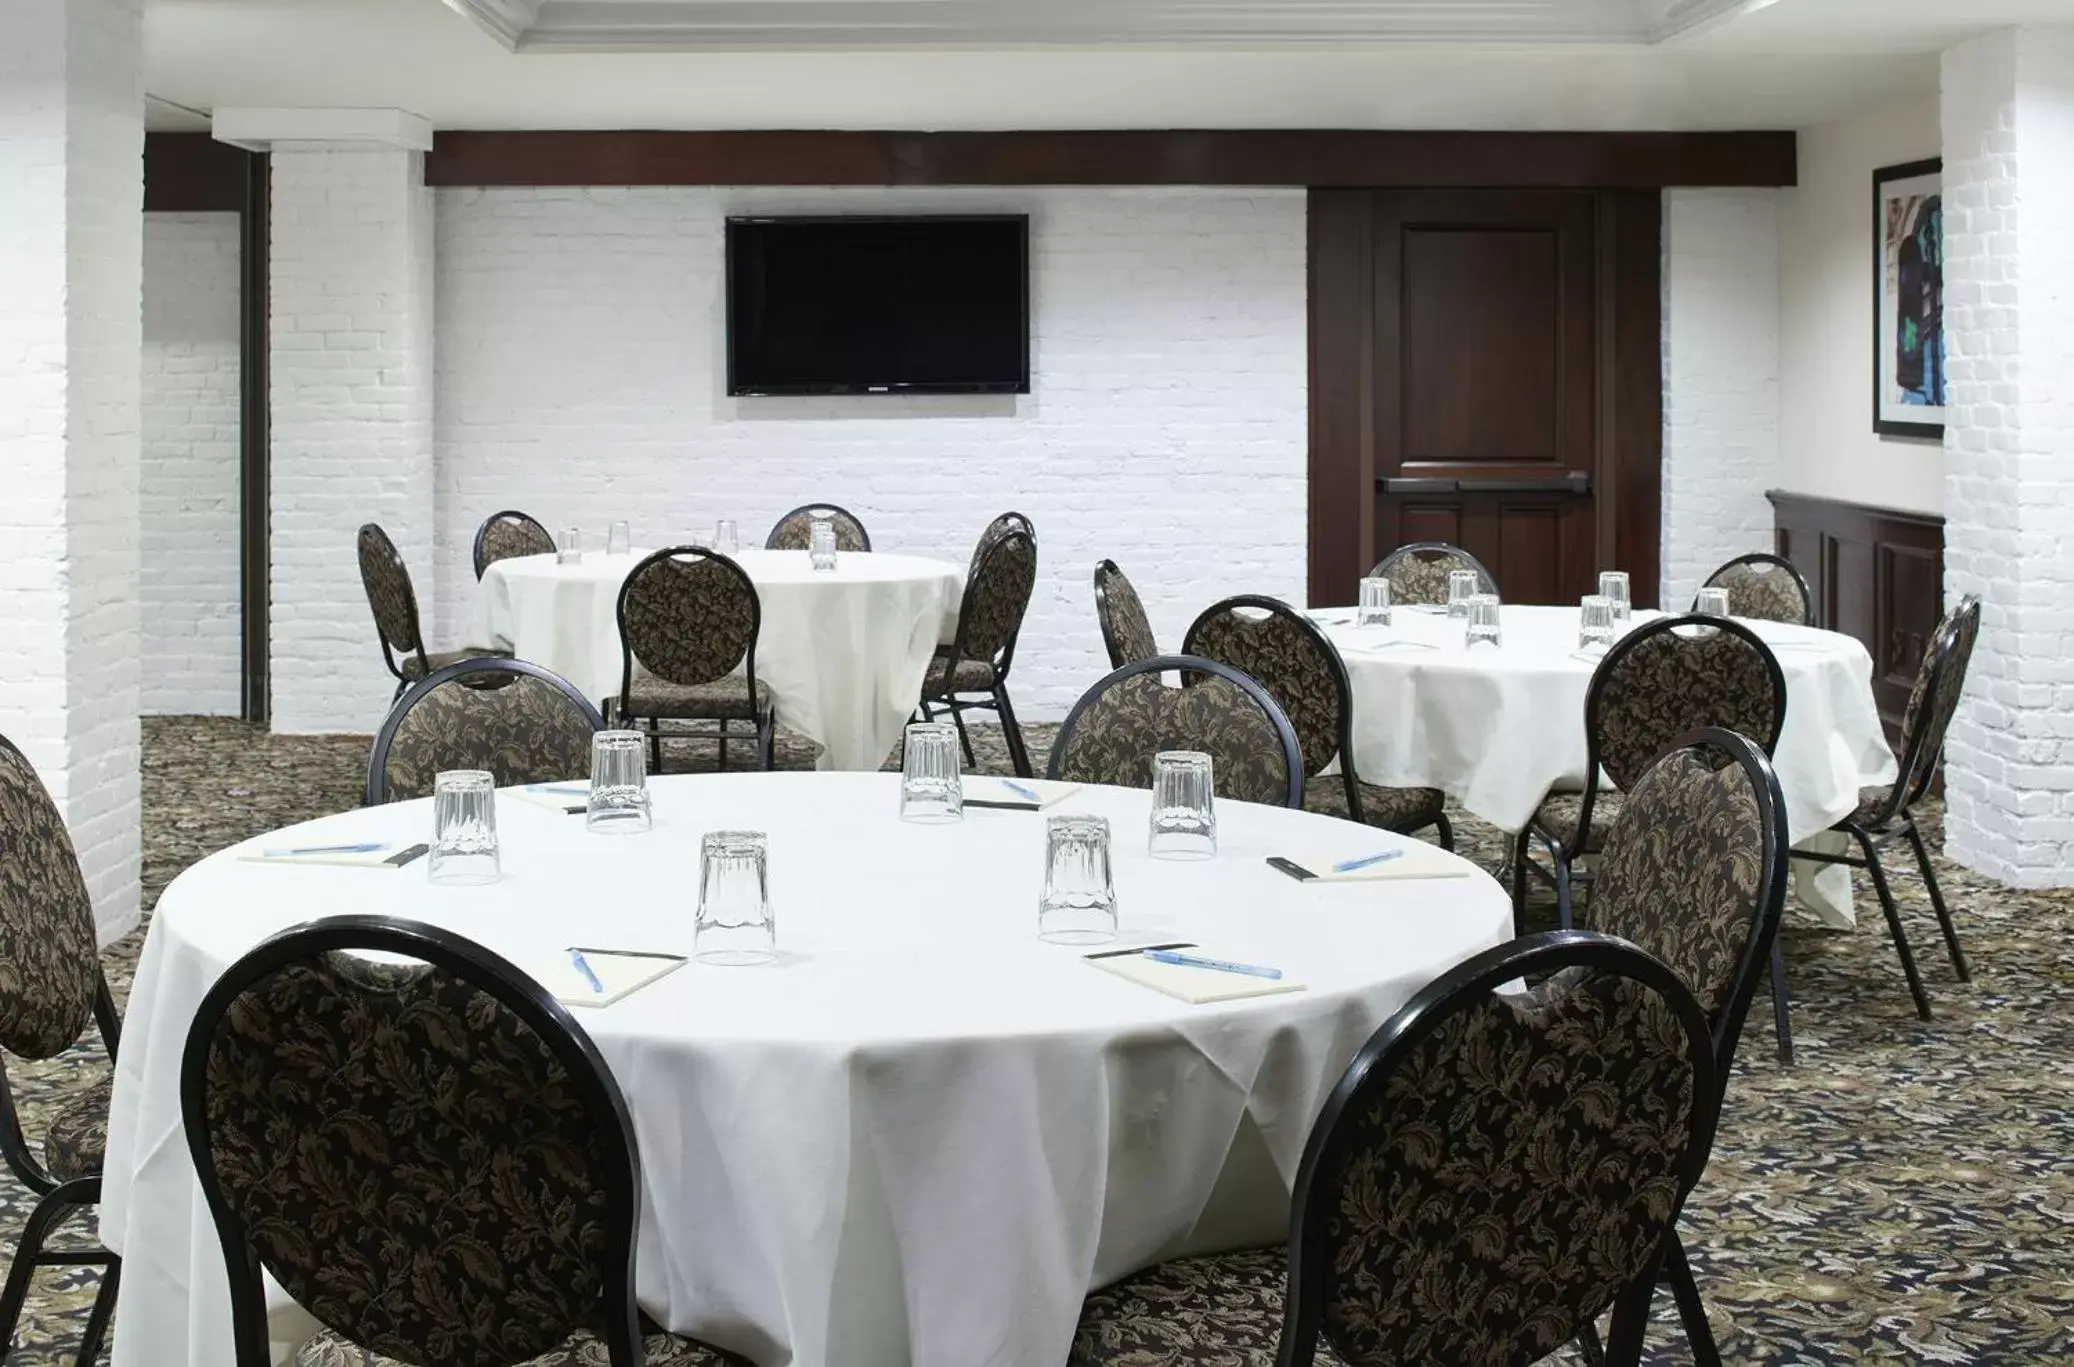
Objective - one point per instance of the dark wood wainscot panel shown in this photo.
(1877, 574)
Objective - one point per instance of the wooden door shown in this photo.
(1484, 372)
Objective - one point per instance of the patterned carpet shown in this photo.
(1904, 1193)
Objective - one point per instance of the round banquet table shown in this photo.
(843, 651)
(921, 1135)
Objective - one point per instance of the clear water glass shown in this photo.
(1594, 622)
(619, 799)
(735, 926)
(1462, 585)
(821, 543)
(1483, 620)
(619, 539)
(1712, 603)
(1613, 587)
(1374, 608)
(464, 828)
(1079, 902)
(930, 789)
(569, 548)
(1184, 806)
(725, 538)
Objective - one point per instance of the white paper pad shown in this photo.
(1419, 860)
(382, 856)
(995, 792)
(557, 797)
(619, 973)
(1193, 985)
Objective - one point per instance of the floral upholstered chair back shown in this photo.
(1418, 573)
(1113, 732)
(1940, 679)
(688, 616)
(995, 530)
(426, 1153)
(1765, 587)
(1272, 644)
(1126, 630)
(1494, 1170)
(996, 597)
(50, 966)
(515, 720)
(795, 530)
(507, 536)
(389, 592)
(1676, 675)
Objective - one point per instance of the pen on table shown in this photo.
(363, 847)
(583, 966)
(1349, 865)
(1168, 956)
(579, 789)
(1026, 794)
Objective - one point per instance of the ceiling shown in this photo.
(998, 64)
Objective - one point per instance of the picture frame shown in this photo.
(1908, 333)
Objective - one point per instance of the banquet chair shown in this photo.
(465, 1184)
(1768, 588)
(794, 531)
(1886, 814)
(51, 986)
(1418, 571)
(1126, 631)
(1116, 728)
(977, 661)
(536, 728)
(508, 535)
(1492, 1171)
(994, 531)
(688, 617)
(1284, 652)
(395, 605)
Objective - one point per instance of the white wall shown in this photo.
(1826, 443)
(189, 490)
(579, 377)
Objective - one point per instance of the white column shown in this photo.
(71, 340)
(351, 368)
(1721, 381)
(2008, 115)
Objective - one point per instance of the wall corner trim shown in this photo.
(261, 130)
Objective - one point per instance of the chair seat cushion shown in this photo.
(584, 1349)
(441, 659)
(971, 676)
(724, 699)
(1394, 809)
(76, 1144)
(1222, 1311)
(1559, 813)
(1872, 804)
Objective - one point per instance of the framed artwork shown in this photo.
(1908, 300)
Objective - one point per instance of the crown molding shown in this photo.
(505, 20)
(262, 130)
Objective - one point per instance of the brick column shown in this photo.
(71, 341)
(2008, 115)
(351, 366)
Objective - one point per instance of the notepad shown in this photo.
(556, 797)
(619, 972)
(1419, 860)
(370, 854)
(981, 791)
(1197, 986)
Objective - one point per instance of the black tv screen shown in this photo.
(915, 305)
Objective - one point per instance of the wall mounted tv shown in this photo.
(853, 305)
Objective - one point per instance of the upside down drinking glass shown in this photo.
(735, 925)
(1613, 587)
(821, 542)
(619, 799)
(1374, 609)
(1184, 811)
(464, 828)
(930, 789)
(1078, 906)
(1462, 585)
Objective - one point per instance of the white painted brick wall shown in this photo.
(581, 378)
(71, 200)
(351, 386)
(2008, 133)
(1721, 381)
(189, 497)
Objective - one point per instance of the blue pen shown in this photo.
(1026, 794)
(1349, 865)
(573, 789)
(583, 966)
(1168, 956)
(364, 847)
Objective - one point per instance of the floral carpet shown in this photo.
(1904, 1193)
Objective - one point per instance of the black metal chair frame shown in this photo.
(1531, 957)
(1896, 819)
(376, 791)
(1487, 582)
(996, 700)
(55, 1201)
(417, 628)
(1185, 665)
(1349, 779)
(1807, 596)
(485, 971)
(1105, 572)
(507, 515)
(770, 539)
(763, 731)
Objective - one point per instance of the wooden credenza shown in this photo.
(1877, 574)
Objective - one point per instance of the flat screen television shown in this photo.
(855, 305)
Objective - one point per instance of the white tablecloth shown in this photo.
(922, 1135)
(1498, 727)
(843, 651)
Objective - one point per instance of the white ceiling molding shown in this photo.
(632, 25)
(261, 130)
